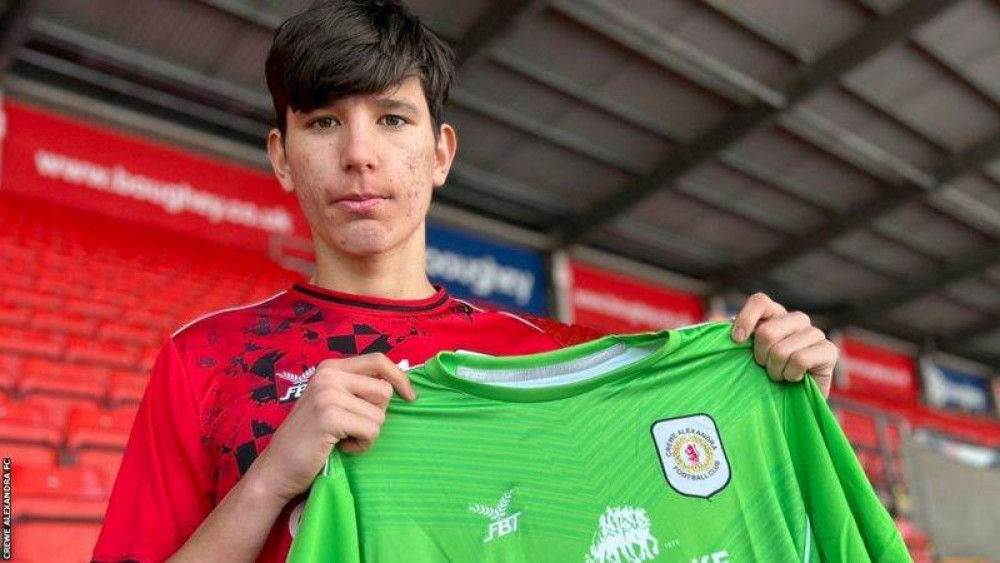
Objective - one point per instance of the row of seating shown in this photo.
(85, 304)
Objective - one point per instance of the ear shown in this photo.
(279, 161)
(444, 153)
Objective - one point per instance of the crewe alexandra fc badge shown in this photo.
(691, 454)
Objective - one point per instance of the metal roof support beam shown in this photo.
(243, 11)
(153, 72)
(15, 25)
(235, 125)
(533, 127)
(877, 305)
(477, 43)
(972, 159)
(990, 324)
(857, 49)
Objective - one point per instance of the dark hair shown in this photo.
(342, 48)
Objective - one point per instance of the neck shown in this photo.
(399, 273)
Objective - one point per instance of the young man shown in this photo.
(228, 437)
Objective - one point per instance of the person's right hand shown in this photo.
(344, 403)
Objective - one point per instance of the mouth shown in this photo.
(360, 203)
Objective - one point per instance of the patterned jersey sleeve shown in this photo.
(564, 334)
(164, 488)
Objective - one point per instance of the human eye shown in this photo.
(394, 121)
(324, 122)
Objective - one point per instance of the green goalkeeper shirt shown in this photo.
(663, 446)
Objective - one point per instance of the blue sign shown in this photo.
(475, 268)
(950, 388)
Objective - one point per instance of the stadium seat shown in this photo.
(62, 323)
(147, 359)
(109, 354)
(10, 371)
(30, 342)
(30, 455)
(125, 334)
(32, 299)
(28, 422)
(61, 386)
(13, 315)
(33, 541)
(60, 493)
(126, 387)
(60, 287)
(860, 428)
(89, 427)
(90, 308)
(148, 319)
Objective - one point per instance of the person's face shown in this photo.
(364, 167)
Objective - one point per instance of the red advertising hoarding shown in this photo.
(868, 370)
(85, 166)
(615, 303)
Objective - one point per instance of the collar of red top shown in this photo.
(370, 303)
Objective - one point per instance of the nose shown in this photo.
(358, 152)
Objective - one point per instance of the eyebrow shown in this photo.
(397, 104)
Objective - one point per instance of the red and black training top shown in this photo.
(223, 384)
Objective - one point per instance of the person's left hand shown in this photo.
(787, 344)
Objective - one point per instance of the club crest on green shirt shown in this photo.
(691, 454)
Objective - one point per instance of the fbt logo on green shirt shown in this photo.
(665, 446)
(501, 523)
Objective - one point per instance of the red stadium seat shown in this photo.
(59, 286)
(61, 323)
(78, 493)
(148, 359)
(99, 428)
(109, 354)
(32, 299)
(31, 342)
(30, 455)
(134, 335)
(92, 309)
(860, 428)
(33, 541)
(62, 386)
(28, 422)
(14, 315)
(126, 388)
(149, 319)
(10, 371)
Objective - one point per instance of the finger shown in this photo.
(774, 330)
(380, 366)
(362, 407)
(377, 392)
(362, 430)
(819, 359)
(759, 306)
(789, 359)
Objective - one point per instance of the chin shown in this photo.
(365, 241)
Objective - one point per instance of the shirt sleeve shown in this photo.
(847, 520)
(164, 488)
(563, 334)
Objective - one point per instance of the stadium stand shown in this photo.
(85, 304)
